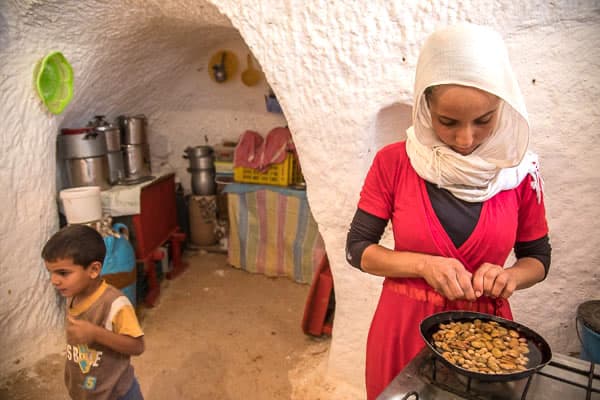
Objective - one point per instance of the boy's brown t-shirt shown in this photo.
(93, 371)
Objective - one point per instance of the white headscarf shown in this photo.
(471, 55)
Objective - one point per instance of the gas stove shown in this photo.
(564, 378)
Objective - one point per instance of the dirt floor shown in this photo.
(216, 333)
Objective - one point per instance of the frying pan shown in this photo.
(539, 350)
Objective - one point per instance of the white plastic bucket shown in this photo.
(82, 204)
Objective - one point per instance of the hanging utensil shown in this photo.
(219, 70)
(250, 76)
(222, 61)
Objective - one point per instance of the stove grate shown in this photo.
(591, 375)
(441, 376)
(464, 390)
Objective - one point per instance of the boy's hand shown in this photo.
(80, 331)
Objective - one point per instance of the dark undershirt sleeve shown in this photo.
(539, 249)
(365, 230)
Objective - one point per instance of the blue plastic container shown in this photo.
(119, 267)
(588, 328)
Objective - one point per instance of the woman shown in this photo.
(462, 192)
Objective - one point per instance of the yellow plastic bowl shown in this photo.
(54, 81)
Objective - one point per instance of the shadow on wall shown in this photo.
(391, 124)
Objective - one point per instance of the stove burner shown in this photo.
(438, 374)
(427, 378)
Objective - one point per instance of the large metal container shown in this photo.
(82, 152)
(81, 145)
(136, 161)
(89, 171)
(133, 129)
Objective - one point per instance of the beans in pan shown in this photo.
(482, 346)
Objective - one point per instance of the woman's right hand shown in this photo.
(449, 277)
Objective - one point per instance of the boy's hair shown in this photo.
(82, 244)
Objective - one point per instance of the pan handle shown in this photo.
(578, 333)
(410, 394)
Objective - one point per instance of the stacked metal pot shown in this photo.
(135, 147)
(202, 170)
(102, 154)
(202, 204)
(112, 136)
(83, 154)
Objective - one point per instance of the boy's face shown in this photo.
(71, 279)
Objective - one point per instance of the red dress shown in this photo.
(393, 190)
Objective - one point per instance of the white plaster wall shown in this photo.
(349, 68)
(128, 57)
(343, 73)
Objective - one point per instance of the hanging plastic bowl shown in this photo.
(54, 81)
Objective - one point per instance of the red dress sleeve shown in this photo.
(532, 213)
(377, 194)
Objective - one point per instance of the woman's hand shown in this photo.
(449, 277)
(494, 281)
(80, 331)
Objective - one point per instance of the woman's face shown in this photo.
(463, 117)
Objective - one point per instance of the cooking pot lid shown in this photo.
(130, 117)
(76, 131)
(107, 128)
(589, 313)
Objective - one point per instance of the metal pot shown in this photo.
(203, 182)
(198, 151)
(200, 157)
(136, 161)
(133, 129)
(90, 171)
(81, 145)
(198, 163)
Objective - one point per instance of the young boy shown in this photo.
(102, 328)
